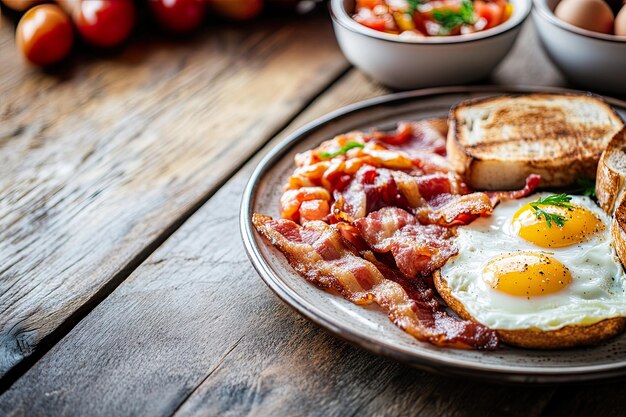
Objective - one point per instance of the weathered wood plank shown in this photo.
(202, 282)
(100, 160)
(194, 332)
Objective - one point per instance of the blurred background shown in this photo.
(401, 44)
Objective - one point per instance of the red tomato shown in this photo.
(20, 5)
(491, 12)
(368, 4)
(44, 34)
(237, 9)
(179, 16)
(105, 23)
(374, 22)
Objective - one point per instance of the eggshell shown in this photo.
(594, 15)
(620, 22)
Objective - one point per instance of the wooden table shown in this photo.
(124, 286)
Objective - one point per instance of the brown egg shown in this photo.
(594, 15)
(620, 22)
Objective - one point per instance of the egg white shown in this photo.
(597, 291)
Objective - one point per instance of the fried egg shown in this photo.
(516, 270)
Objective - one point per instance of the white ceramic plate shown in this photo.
(369, 327)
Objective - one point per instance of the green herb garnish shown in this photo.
(412, 6)
(341, 151)
(558, 200)
(449, 19)
(586, 186)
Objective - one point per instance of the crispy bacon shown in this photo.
(464, 333)
(395, 203)
(374, 188)
(439, 198)
(352, 234)
(369, 190)
(532, 182)
(415, 146)
(453, 210)
(319, 253)
(415, 138)
(423, 142)
(433, 185)
(416, 248)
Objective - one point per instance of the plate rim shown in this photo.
(430, 361)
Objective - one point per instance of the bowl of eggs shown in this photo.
(586, 40)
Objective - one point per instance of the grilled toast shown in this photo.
(611, 177)
(495, 143)
(611, 189)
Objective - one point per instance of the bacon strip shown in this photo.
(457, 206)
(423, 142)
(464, 333)
(453, 210)
(532, 182)
(434, 196)
(413, 146)
(416, 248)
(415, 138)
(319, 253)
(369, 190)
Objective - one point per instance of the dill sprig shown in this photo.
(341, 151)
(558, 200)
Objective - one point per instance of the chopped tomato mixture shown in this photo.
(419, 18)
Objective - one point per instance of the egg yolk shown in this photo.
(526, 274)
(579, 225)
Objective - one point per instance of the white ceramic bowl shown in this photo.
(433, 61)
(592, 60)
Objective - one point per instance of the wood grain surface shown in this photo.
(100, 160)
(193, 331)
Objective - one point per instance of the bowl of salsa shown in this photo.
(408, 44)
(417, 19)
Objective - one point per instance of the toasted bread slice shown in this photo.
(611, 178)
(611, 189)
(565, 337)
(618, 230)
(495, 143)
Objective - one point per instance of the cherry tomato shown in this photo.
(237, 9)
(20, 5)
(104, 23)
(179, 16)
(374, 22)
(44, 34)
(368, 4)
(491, 12)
